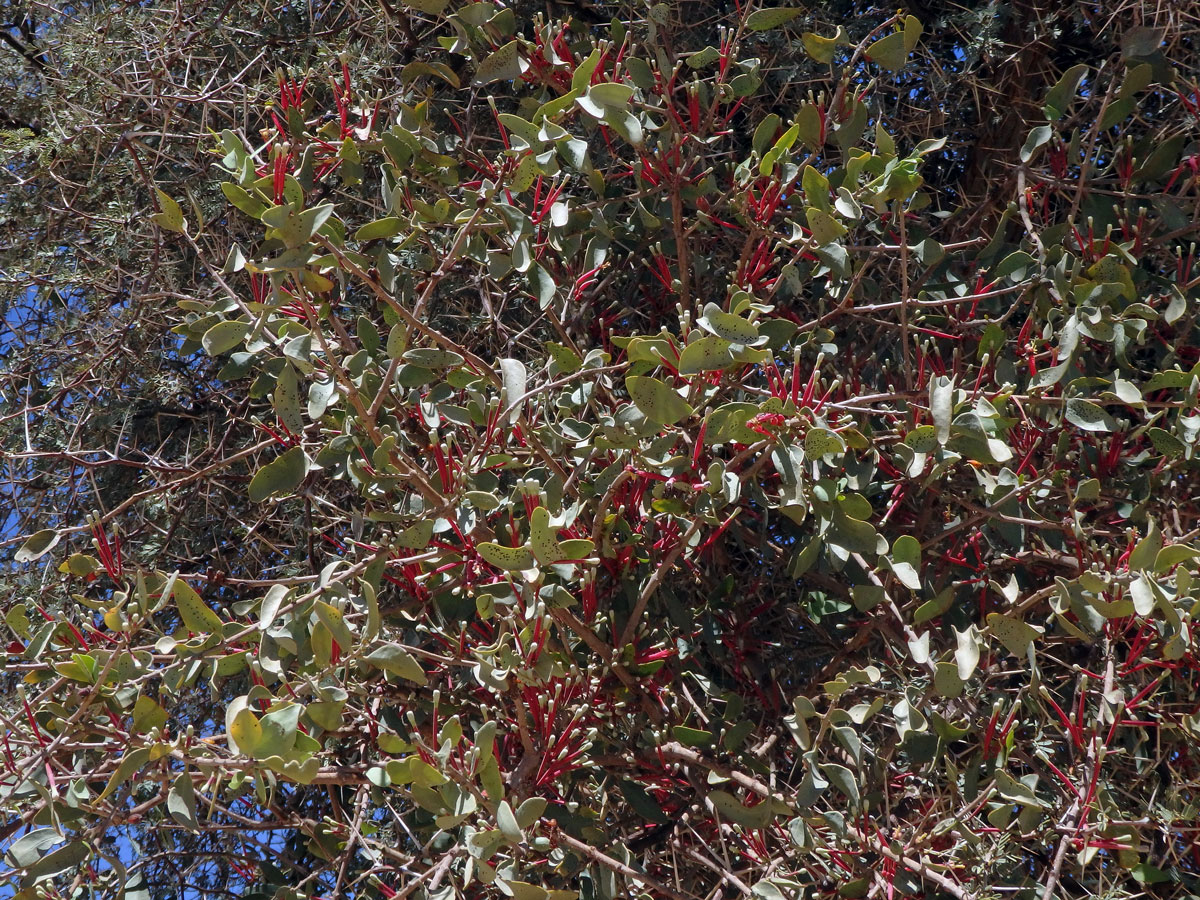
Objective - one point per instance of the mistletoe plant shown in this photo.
(687, 512)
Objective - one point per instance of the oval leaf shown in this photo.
(280, 476)
(657, 401)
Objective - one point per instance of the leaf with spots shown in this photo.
(223, 337)
(416, 536)
(511, 559)
(504, 64)
(1088, 416)
(280, 476)
(824, 227)
(1016, 636)
(657, 401)
(197, 617)
(922, 439)
(705, 354)
(821, 442)
(732, 328)
(286, 400)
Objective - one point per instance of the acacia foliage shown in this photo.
(634, 474)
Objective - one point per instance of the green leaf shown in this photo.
(1015, 635)
(575, 549)
(541, 537)
(825, 228)
(244, 731)
(1141, 41)
(1037, 137)
(505, 64)
(867, 596)
(521, 180)
(657, 401)
(890, 52)
(705, 354)
(816, 188)
(243, 200)
(279, 729)
(764, 134)
(511, 559)
(1014, 790)
(181, 802)
(513, 378)
(725, 325)
(822, 49)
(941, 405)
(809, 125)
(600, 98)
(1088, 416)
(416, 536)
(702, 58)
(333, 619)
(280, 476)
(906, 561)
(912, 33)
(286, 399)
(380, 228)
(731, 809)
(922, 439)
(1144, 873)
(842, 779)
(396, 660)
(295, 229)
(1169, 557)
(691, 737)
(766, 19)
(29, 847)
(276, 595)
(946, 680)
(1166, 443)
(148, 714)
(523, 129)
(133, 761)
(507, 823)
(1059, 98)
(223, 337)
(853, 534)
(197, 617)
(59, 861)
(37, 545)
(432, 358)
(582, 76)
(642, 803)
(530, 811)
(1145, 552)
(821, 442)
(170, 216)
(523, 890)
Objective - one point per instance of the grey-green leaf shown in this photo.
(37, 545)
(397, 660)
(280, 476)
